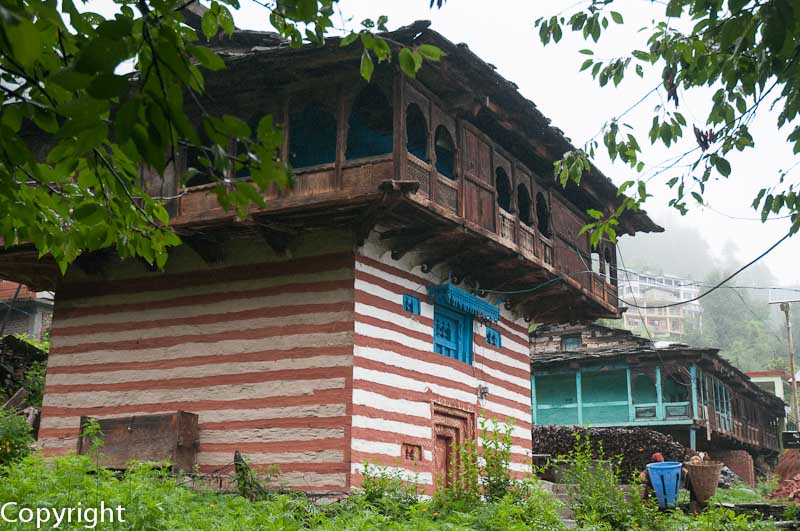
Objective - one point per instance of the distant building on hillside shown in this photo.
(778, 383)
(23, 311)
(651, 291)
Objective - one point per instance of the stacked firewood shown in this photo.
(633, 445)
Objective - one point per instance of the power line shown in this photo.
(718, 285)
(638, 308)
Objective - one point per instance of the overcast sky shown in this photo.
(503, 34)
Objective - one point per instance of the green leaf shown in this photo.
(25, 41)
(106, 86)
(349, 39)
(407, 63)
(616, 17)
(431, 52)
(206, 57)
(586, 51)
(596, 214)
(367, 66)
(723, 166)
(12, 116)
(209, 24)
(89, 213)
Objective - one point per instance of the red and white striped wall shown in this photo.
(262, 352)
(396, 374)
(307, 362)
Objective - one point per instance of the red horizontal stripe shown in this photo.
(207, 298)
(314, 445)
(156, 281)
(172, 341)
(375, 413)
(369, 434)
(522, 330)
(263, 355)
(320, 397)
(362, 297)
(316, 373)
(260, 468)
(60, 433)
(258, 313)
(377, 264)
(432, 357)
(480, 341)
(291, 422)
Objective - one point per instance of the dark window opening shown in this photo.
(503, 185)
(543, 215)
(445, 153)
(524, 204)
(370, 125)
(416, 132)
(312, 136)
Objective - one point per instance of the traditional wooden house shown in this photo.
(604, 377)
(374, 312)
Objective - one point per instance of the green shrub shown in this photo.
(16, 438)
(599, 500)
(387, 492)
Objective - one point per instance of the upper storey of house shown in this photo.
(455, 166)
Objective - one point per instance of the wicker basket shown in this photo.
(704, 478)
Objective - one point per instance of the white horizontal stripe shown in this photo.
(191, 349)
(276, 458)
(393, 426)
(423, 478)
(195, 309)
(205, 328)
(230, 392)
(208, 288)
(504, 411)
(210, 370)
(401, 382)
(394, 405)
(264, 435)
(375, 447)
(417, 326)
(442, 371)
(222, 415)
(399, 281)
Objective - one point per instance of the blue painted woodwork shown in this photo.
(411, 304)
(457, 298)
(612, 395)
(452, 333)
(493, 337)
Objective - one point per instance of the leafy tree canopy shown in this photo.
(86, 102)
(746, 51)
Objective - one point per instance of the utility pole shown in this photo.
(790, 343)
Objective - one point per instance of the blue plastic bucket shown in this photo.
(666, 481)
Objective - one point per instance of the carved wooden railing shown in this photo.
(505, 223)
(527, 240)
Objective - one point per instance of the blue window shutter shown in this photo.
(493, 337)
(452, 334)
(411, 304)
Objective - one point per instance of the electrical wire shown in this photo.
(638, 308)
(719, 284)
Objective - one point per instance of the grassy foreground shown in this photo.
(153, 501)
